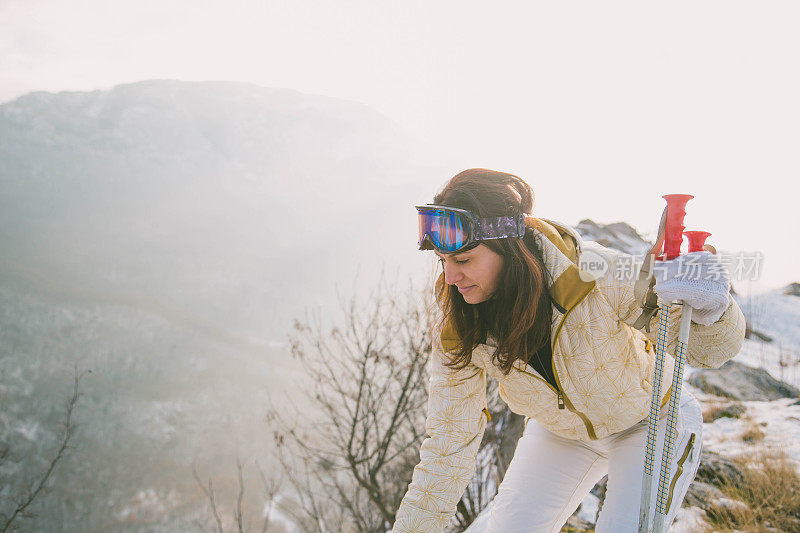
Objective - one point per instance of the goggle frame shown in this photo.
(475, 229)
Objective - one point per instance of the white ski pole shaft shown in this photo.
(663, 500)
(655, 405)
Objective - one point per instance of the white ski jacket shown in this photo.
(603, 368)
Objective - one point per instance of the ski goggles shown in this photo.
(449, 229)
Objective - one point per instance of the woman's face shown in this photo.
(476, 272)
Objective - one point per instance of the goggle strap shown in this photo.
(499, 227)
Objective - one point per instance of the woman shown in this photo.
(517, 307)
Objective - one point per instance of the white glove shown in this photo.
(700, 279)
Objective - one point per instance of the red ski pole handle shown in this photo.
(697, 240)
(673, 235)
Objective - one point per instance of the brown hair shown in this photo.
(519, 312)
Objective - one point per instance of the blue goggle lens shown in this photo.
(446, 231)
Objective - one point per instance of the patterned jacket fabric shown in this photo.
(603, 368)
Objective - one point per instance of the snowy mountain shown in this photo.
(618, 235)
(165, 235)
(774, 315)
(210, 200)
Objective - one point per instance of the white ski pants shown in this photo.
(550, 476)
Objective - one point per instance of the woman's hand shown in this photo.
(700, 279)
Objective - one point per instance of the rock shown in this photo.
(792, 289)
(622, 228)
(734, 410)
(753, 334)
(575, 524)
(702, 494)
(513, 427)
(504, 430)
(716, 470)
(741, 382)
(619, 235)
(599, 489)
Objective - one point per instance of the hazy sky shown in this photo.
(601, 106)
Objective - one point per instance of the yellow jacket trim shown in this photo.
(679, 470)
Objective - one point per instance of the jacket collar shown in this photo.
(561, 247)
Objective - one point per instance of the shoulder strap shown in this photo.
(647, 298)
(643, 289)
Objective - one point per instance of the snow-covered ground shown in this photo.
(779, 420)
(777, 315)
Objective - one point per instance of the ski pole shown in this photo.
(647, 476)
(696, 241)
(670, 233)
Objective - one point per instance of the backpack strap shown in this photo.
(647, 298)
(643, 288)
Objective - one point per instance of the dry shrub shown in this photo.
(723, 410)
(752, 433)
(711, 412)
(770, 491)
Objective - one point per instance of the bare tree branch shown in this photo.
(209, 492)
(241, 495)
(350, 451)
(271, 488)
(368, 391)
(69, 428)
